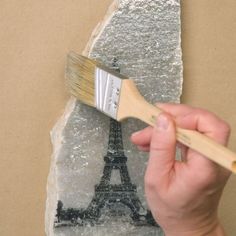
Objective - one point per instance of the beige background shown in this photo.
(34, 39)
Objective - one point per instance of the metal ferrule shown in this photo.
(107, 92)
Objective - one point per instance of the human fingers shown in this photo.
(205, 122)
(212, 126)
(198, 119)
(191, 118)
(142, 138)
(144, 148)
(162, 152)
(201, 120)
(175, 109)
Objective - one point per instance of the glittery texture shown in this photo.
(144, 37)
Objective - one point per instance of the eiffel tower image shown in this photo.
(107, 195)
(117, 199)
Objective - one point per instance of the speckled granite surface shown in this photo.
(144, 38)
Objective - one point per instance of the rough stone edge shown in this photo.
(181, 54)
(56, 139)
(100, 27)
(56, 132)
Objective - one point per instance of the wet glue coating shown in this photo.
(142, 39)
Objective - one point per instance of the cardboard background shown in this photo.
(34, 39)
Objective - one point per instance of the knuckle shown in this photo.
(155, 146)
(224, 132)
(202, 111)
(225, 127)
(163, 147)
(205, 113)
(150, 183)
(214, 119)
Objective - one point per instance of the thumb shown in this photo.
(162, 150)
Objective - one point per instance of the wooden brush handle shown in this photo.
(132, 104)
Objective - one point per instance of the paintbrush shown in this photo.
(117, 96)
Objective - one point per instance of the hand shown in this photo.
(183, 195)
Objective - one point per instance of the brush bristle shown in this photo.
(80, 77)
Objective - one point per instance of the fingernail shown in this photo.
(162, 122)
(135, 133)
